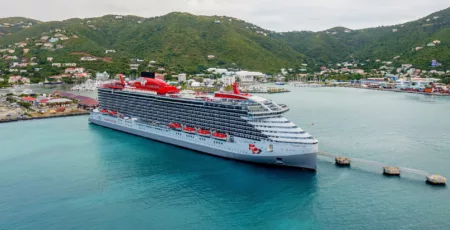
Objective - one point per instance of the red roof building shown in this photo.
(29, 99)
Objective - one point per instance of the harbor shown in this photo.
(102, 170)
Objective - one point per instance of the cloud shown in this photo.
(278, 15)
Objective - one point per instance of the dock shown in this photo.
(433, 179)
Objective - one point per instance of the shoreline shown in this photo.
(403, 91)
(46, 117)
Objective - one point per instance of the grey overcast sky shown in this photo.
(278, 15)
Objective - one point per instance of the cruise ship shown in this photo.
(231, 125)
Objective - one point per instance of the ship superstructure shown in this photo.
(227, 124)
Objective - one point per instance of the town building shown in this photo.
(228, 80)
(88, 58)
(69, 71)
(70, 64)
(102, 76)
(182, 77)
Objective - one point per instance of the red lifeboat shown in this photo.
(220, 136)
(188, 129)
(203, 132)
(104, 111)
(174, 126)
(112, 113)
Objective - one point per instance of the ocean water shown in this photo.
(67, 174)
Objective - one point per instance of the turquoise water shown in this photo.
(66, 174)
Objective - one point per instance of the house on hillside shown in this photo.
(437, 42)
(48, 45)
(211, 56)
(118, 17)
(182, 77)
(80, 75)
(406, 66)
(50, 59)
(25, 80)
(53, 40)
(110, 51)
(134, 66)
(79, 70)
(56, 64)
(69, 70)
(394, 30)
(11, 58)
(88, 58)
(64, 38)
(431, 44)
(418, 48)
(14, 79)
(70, 64)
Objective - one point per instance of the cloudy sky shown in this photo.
(278, 15)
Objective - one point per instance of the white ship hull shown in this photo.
(273, 153)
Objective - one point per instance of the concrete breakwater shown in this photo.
(78, 113)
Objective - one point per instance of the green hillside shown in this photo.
(182, 42)
(383, 43)
(177, 39)
(12, 25)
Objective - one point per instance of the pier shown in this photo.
(387, 170)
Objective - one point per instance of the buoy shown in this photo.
(392, 171)
(342, 161)
(436, 179)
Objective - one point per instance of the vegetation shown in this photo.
(181, 42)
(24, 104)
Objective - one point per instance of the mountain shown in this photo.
(342, 44)
(15, 24)
(177, 39)
(186, 42)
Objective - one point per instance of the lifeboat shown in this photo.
(112, 113)
(104, 111)
(188, 129)
(174, 126)
(203, 132)
(220, 136)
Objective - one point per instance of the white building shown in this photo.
(182, 77)
(102, 76)
(228, 80)
(247, 76)
(88, 58)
